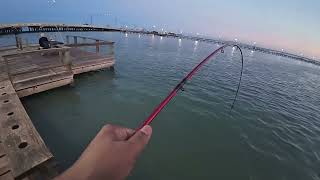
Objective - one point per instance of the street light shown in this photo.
(98, 14)
(51, 2)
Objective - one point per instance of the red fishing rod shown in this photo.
(179, 87)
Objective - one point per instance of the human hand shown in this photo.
(111, 155)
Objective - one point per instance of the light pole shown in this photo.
(100, 14)
(254, 45)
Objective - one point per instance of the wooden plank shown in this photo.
(44, 87)
(46, 171)
(31, 75)
(7, 176)
(23, 145)
(5, 167)
(93, 61)
(43, 79)
(91, 67)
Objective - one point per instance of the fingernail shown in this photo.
(147, 130)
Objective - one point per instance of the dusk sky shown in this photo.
(289, 24)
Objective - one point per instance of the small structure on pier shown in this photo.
(28, 70)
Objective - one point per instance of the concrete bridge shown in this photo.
(39, 27)
(252, 48)
(221, 42)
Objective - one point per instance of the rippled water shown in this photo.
(272, 133)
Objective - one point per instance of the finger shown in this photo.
(122, 134)
(140, 139)
(116, 133)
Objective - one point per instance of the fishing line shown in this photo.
(51, 3)
(179, 87)
(61, 38)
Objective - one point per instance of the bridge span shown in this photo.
(221, 42)
(6, 29)
(40, 27)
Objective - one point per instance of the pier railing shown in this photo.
(51, 58)
(80, 41)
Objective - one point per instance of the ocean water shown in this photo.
(272, 133)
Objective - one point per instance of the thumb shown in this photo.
(140, 139)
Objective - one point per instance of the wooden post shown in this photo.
(17, 40)
(27, 42)
(75, 39)
(67, 59)
(68, 40)
(97, 46)
(61, 57)
(111, 49)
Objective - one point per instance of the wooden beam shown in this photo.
(51, 50)
(89, 44)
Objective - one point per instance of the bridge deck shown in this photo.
(40, 27)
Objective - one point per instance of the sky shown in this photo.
(292, 25)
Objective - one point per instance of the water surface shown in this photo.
(272, 133)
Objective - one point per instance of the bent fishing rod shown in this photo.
(179, 87)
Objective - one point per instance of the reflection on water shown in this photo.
(272, 133)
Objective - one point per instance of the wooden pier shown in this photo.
(23, 153)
